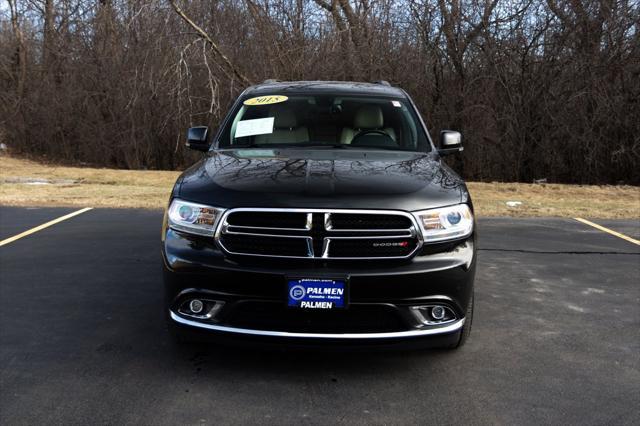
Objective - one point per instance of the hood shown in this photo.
(322, 179)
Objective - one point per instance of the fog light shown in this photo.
(196, 306)
(437, 312)
(433, 314)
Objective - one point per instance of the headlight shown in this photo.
(193, 218)
(445, 223)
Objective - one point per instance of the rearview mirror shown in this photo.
(450, 142)
(197, 138)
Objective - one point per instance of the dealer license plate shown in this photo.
(312, 293)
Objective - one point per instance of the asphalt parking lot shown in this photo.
(556, 337)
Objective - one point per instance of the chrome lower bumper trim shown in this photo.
(391, 335)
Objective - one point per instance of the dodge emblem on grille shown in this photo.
(395, 244)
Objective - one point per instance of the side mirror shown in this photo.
(197, 138)
(450, 142)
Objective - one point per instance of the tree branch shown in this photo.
(203, 34)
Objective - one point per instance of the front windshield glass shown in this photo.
(271, 121)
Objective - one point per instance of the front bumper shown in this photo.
(252, 293)
(450, 328)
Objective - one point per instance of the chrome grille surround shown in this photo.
(330, 234)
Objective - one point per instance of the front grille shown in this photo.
(319, 234)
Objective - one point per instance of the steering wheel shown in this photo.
(370, 131)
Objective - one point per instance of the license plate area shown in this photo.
(317, 294)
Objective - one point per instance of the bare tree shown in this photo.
(540, 88)
(21, 49)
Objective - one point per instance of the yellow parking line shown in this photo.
(608, 231)
(44, 225)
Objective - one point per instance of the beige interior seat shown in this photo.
(368, 117)
(285, 127)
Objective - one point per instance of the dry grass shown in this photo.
(591, 201)
(88, 186)
(75, 186)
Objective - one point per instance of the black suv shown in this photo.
(321, 212)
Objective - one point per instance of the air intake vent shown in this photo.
(270, 220)
(377, 222)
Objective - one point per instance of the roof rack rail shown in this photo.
(383, 82)
(270, 81)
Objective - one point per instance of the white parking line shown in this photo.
(43, 226)
(608, 231)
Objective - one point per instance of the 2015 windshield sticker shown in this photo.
(258, 126)
(265, 100)
(396, 104)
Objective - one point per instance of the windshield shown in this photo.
(324, 121)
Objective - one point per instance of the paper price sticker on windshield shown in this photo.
(265, 100)
(258, 126)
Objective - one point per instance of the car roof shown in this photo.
(324, 87)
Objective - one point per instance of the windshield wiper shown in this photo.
(386, 148)
(292, 145)
(316, 145)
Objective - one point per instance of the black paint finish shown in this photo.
(327, 177)
(195, 267)
(367, 179)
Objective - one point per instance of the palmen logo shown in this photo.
(297, 292)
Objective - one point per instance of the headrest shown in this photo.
(285, 118)
(368, 117)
